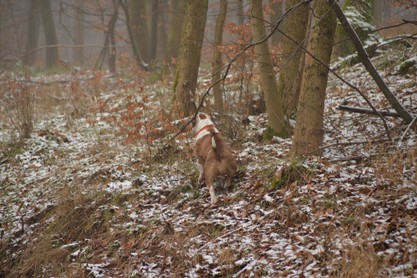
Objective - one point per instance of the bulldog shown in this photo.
(214, 155)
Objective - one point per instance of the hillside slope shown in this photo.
(77, 201)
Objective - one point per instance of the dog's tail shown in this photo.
(216, 143)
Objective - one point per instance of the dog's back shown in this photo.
(214, 155)
(217, 155)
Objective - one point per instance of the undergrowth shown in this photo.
(296, 171)
(72, 220)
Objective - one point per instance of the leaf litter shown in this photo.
(342, 217)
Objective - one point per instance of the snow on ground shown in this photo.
(340, 216)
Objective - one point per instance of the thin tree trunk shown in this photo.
(154, 30)
(274, 17)
(240, 13)
(176, 22)
(276, 120)
(363, 56)
(162, 33)
(217, 56)
(308, 135)
(295, 26)
(78, 52)
(138, 28)
(33, 32)
(192, 35)
(112, 40)
(52, 56)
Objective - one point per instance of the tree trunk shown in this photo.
(33, 32)
(276, 120)
(189, 57)
(162, 47)
(276, 14)
(52, 56)
(217, 56)
(240, 14)
(295, 26)
(154, 30)
(309, 132)
(78, 51)
(176, 22)
(112, 40)
(138, 28)
(109, 45)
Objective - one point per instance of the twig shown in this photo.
(405, 21)
(408, 127)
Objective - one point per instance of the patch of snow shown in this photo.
(118, 186)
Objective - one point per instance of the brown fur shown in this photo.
(214, 161)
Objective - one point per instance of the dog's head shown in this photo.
(201, 120)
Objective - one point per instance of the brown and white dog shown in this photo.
(213, 153)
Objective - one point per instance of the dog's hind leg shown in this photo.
(228, 182)
(210, 185)
(200, 164)
(201, 173)
(212, 194)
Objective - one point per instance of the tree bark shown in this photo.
(78, 52)
(154, 30)
(217, 56)
(291, 65)
(189, 57)
(308, 135)
(138, 28)
(276, 14)
(175, 24)
(276, 120)
(112, 40)
(52, 55)
(33, 32)
(109, 45)
(162, 48)
(363, 56)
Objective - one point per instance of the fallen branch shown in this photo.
(364, 58)
(344, 144)
(368, 111)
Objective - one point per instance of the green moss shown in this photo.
(10, 150)
(349, 221)
(408, 66)
(269, 133)
(360, 16)
(295, 171)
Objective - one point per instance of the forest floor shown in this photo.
(86, 196)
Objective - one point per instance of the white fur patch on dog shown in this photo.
(202, 121)
(213, 143)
